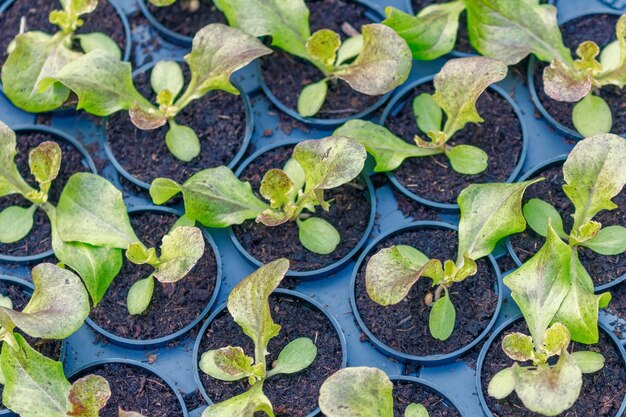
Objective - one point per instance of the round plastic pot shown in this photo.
(532, 63)
(395, 105)
(293, 294)
(87, 369)
(375, 16)
(86, 161)
(506, 325)
(162, 341)
(428, 386)
(244, 145)
(427, 360)
(169, 34)
(327, 270)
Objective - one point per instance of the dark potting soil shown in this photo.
(405, 393)
(173, 306)
(291, 395)
(49, 348)
(603, 269)
(601, 395)
(432, 178)
(349, 213)
(599, 28)
(104, 19)
(38, 240)
(462, 39)
(218, 118)
(135, 389)
(286, 75)
(180, 19)
(404, 326)
(617, 308)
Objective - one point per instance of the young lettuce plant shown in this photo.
(594, 173)
(36, 55)
(104, 84)
(374, 62)
(363, 392)
(217, 198)
(248, 304)
(458, 86)
(489, 212)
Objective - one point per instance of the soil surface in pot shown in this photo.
(617, 307)
(173, 306)
(20, 297)
(218, 118)
(405, 393)
(349, 213)
(603, 269)
(37, 12)
(462, 39)
(599, 28)
(601, 395)
(286, 75)
(404, 326)
(135, 389)
(180, 19)
(39, 239)
(291, 395)
(432, 178)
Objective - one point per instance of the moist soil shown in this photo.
(286, 75)
(173, 306)
(405, 393)
(218, 118)
(104, 19)
(404, 326)
(432, 177)
(462, 39)
(599, 28)
(20, 297)
(349, 213)
(39, 239)
(180, 19)
(135, 389)
(601, 395)
(291, 395)
(603, 269)
(617, 308)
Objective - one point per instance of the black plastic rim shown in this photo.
(428, 386)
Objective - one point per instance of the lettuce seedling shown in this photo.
(363, 392)
(104, 84)
(34, 56)
(489, 212)
(594, 173)
(458, 86)
(248, 304)
(217, 198)
(374, 62)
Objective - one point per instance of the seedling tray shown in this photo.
(175, 361)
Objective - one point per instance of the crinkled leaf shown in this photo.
(502, 384)
(609, 241)
(182, 142)
(217, 52)
(427, 113)
(312, 98)
(511, 30)
(16, 223)
(91, 210)
(146, 117)
(556, 338)
(539, 214)
(458, 86)
(44, 162)
(249, 306)
(167, 75)
(276, 187)
(322, 46)
(595, 172)
(416, 410)
(140, 295)
(97, 40)
(467, 159)
(489, 212)
(391, 273)
(518, 347)
(273, 217)
(388, 150)
(298, 355)
(79, 7)
(442, 318)
(181, 249)
(318, 236)
(562, 83)
(432, 33)
(357, 392)
(588, 362)
(592, 116)
(35, 385)
(227, 364)
(350, 49)
(88, 396)
(383, 64)
(588, 51)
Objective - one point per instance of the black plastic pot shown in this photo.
(86, 161)
(327, 270)
(504, 327)
(244, 145)
(312, 302)
(162, 341)
(428, 360)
